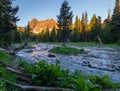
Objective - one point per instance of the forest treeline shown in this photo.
(81, 30)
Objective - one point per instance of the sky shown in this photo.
(47, 9)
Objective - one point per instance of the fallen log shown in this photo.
(37, 88)
(18, 72)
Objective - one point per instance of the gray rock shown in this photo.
(51, 55)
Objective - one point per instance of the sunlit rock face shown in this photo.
(104, 60)
(37, 26)
(33, 23)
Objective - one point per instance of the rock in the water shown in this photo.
(51, 55)
(86, 63)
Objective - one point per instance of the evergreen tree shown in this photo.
(17, 36)
(42, 34)
(77, 23)
(108, 20)
(105, 34)
(115, 23)
(93, 22)
(47, 35)
(7, 22)
(53, 37)
(65, 21)
(76, 31)
(27, 34)
(76, 36)
(86, 27)
(99, 21)
(86, 21)
(83, 31)
(94, 27)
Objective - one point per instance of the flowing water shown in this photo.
(98, 61)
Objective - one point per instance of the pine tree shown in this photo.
(47, 35)
(76, 36)
(94, 28)
(77, 23)
(65, 21)
(86, 21)
(99, 23)
(76, 31)
(17, 36)
(93, 22)
(86, 27)
(42, 33)
(27, 34)
(109, 12)
(7, 22)
(83, 31)
(107, 21)
(53, 37)
(115, 23)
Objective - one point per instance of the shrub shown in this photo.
(45, 74)
(104, 81)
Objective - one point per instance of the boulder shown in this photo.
(51, 55)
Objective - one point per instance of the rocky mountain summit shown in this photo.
(37, 26)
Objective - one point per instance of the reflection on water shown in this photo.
(39, 53)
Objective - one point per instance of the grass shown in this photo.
(85, 44)
(67, 50)
(93, 44)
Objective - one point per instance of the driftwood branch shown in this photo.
(18, 72)
(37, 88)
(100, 41)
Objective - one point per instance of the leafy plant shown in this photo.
(104, 81)
(4, 57)
(81, 82)
(46, 74)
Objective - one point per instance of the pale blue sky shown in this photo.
(46, 9)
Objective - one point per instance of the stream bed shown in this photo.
(97, 60)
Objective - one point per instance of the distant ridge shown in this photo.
(37, 26)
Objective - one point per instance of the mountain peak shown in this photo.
(37, 26)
